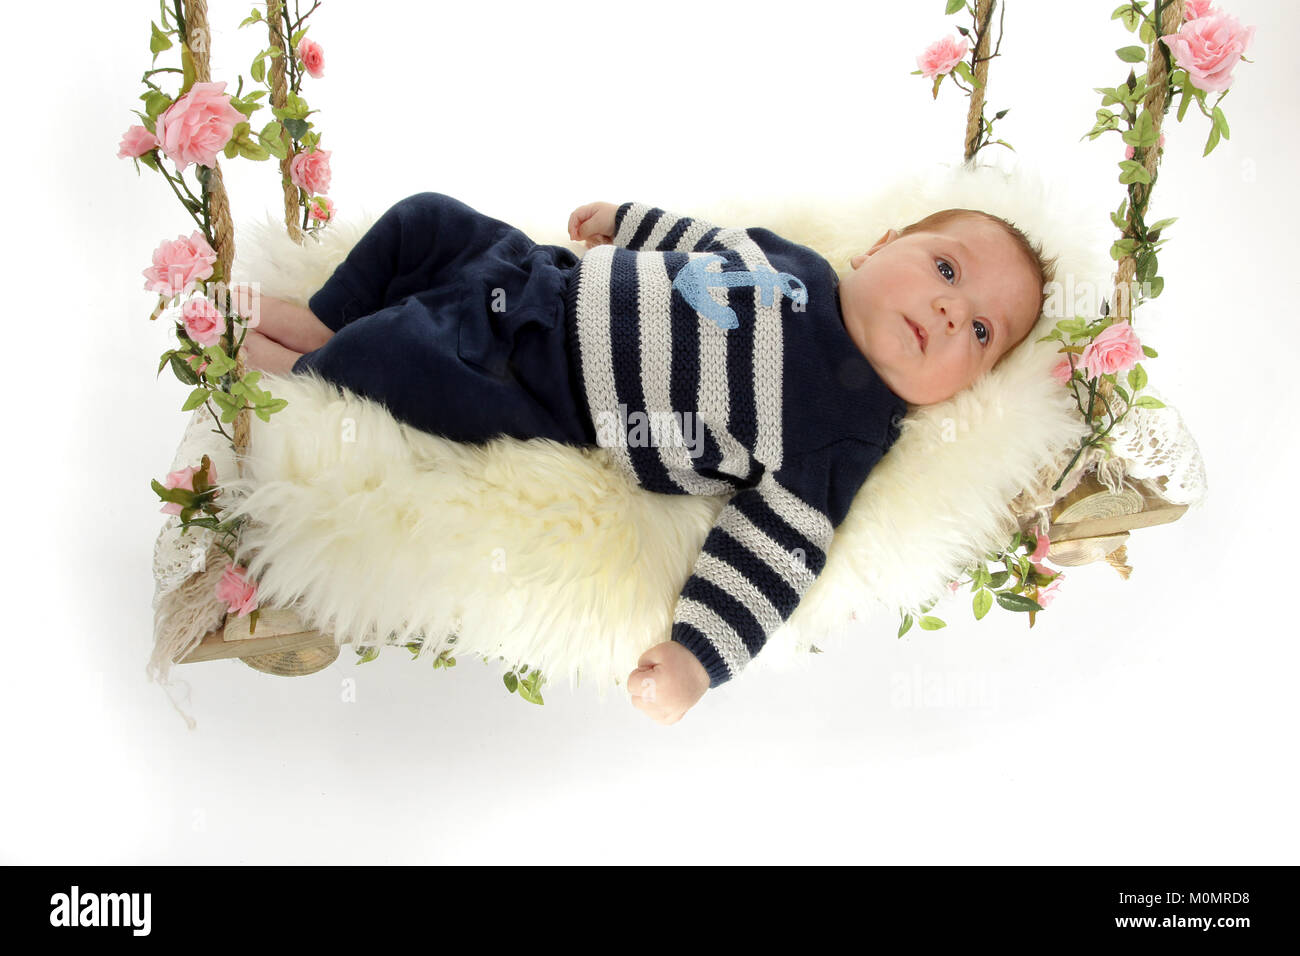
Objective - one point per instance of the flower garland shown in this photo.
(1198, 59)
(946, 57)
(190, 128)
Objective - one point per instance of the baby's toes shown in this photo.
(255, 350)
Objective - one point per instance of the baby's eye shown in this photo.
(950, 274)
(980, 326)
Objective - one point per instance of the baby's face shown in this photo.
(969, 290)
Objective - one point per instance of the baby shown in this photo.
(792, 380)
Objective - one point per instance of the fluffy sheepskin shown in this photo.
(546, 556)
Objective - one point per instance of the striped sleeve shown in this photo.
(764, 552)
(642, 228)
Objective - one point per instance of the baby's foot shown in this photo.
(293, 326)
(261, 352)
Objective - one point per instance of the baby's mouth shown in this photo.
(918, 332)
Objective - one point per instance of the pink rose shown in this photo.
(1048, 594)
(1128, 150)
(178, 264)
(1040, 551)
(239, 593)
(136, 141)
(185, 479)
(312, 56)
(191, 359)
(1062, 371)
(942, 55)
(311, 171)
(1116, 349)
(322, 208)
(198, 125)
(1196, 9)
(1208, 48)
(203, 323)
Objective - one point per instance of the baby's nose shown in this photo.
(954, 309)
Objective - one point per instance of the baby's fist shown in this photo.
(668, 681)
(593, 223)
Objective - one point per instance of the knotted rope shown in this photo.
(279, 96)
(197, 41)
(974, 118)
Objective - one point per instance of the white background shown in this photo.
(1147, 721)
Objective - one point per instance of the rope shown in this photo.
(983, 17)
(1156, 101)
(280, 96)
(198, 42)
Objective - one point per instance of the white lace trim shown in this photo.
(1155, 445)
(177, 552)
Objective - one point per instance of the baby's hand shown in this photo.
(593, 223)
(668, 681)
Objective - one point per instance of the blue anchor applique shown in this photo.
(694, 282)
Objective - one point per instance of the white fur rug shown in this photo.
(546, 556)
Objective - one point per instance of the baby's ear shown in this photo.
(889, 236)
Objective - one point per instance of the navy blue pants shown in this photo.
(455, 322)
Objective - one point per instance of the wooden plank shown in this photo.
(214, 647)
(1155, 511)
(271, 622)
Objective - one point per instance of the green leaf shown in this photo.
(1137, 377)
(188, 71)
(512, 681)
(1161, 225)
(155, 102)
(931, 623)
(982, 602)
(1133, 172)
(953, 6)
(962, 69)
(906, 625)
(1131, 54)
(368, 654)
(1108, 95)
(197, 398)
(999, 579)
(258, 69)
(1017, 602)
(297, 37)
(1157, 286)
(158, 40)
(178, 496)
(183, 371)
(254, 17)
(297, 128)
(1147, 34)
(1212, 142)
(1146, 401)
(1149, 352)
(253, 150)
(1220, 122)
(272, 137)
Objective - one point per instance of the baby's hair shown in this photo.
(1045, 267)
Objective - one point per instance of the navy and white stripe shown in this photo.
(786, 436)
